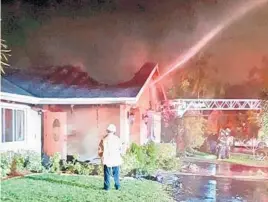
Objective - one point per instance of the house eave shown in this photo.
(146, 83)
(65, 101)
(18, 98)
(86, 101)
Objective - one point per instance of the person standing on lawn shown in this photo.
(110, 153)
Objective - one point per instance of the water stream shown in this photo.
(240, 12)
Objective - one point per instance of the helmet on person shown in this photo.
(111, 128)
(222, 132)
(227, 131)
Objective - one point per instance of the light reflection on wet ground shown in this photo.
(209, 189)
(228, 169)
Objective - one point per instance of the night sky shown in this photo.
(112, 39)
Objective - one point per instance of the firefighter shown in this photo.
(110, 153)
(221, 147)
(229, 142)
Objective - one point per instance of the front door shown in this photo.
(55, 129)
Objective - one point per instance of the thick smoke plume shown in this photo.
(112, 46)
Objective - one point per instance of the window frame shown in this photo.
(14, 107)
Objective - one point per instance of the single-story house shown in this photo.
(62, 109)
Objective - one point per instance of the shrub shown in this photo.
(98, 170)
(86, 169)
(54, 162)
(6, 160)
(195, 130)
(166, 150)
(139, 152)
(144, 160)
(76, 167)
(33, 162)
(130, 164)
(166, 157)
(72, 166)
(15, 162)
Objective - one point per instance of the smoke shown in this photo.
(113, 46)
(202, 43)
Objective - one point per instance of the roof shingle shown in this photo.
(71, 82)
(9, 87)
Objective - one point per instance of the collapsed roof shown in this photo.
(71, 82)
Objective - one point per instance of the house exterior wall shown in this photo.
(124, 127)
(55, 131)
(86, 125)
(135, 133)
(157, 126)
(147, 104)
(32, 135)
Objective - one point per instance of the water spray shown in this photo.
(208, 37)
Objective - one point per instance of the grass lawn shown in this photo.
(245, 159)
(55, 188)
(203, 155)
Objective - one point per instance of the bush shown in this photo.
(139, 160)
(6, 160)
(166, 150)
(16, 162)
(145, 157)
(54, 162)
(195, 131)
(70, 167)
(144, 160)
(76, 167)
(33, 162)
(98, 170)
(130, 164)
(166, 157)
(86, 169)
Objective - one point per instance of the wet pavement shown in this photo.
(210, 189)
(223, 189)
(228, 169)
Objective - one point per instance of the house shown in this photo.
(62, 109)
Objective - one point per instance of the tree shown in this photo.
(264, 116)
(195, 127)
(260, 76)
(198, 80)
(5, 53)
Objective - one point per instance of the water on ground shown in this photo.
(223, 189)
(210, 189)
(229, 169)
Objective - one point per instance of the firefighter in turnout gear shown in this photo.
(110, 153)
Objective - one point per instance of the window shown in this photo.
(13, 125)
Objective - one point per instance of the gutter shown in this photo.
(19, 98)
(65, 101)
